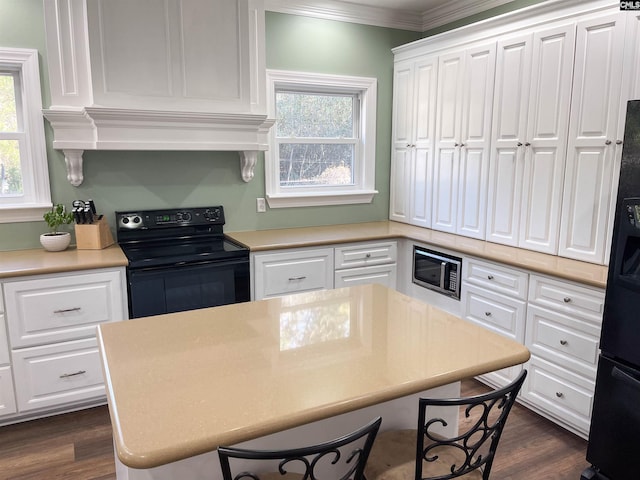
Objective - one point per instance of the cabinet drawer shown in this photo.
(365, 255)
(7, 397)
(567, 297)
(566, 396)
(564, 340)
(61, 308)
(382, 274)
(58, 374)
(504, 315)
(499, 279)
(292, 272)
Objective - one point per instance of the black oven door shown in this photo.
(181, 287)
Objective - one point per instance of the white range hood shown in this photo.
(150, 75)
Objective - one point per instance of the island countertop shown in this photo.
(182, 384)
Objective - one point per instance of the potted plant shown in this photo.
(54, 240)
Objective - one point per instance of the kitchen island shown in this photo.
(180, 385)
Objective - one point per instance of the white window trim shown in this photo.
(364, 188)
(35, 171)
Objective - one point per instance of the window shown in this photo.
(322, 146)
(24, 175)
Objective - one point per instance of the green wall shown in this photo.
(122, 180)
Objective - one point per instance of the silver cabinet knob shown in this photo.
(519, 144)
(527, 144)
(608, 142)
(566, 299)
(559, 394)
(618, 142)
(489, 277)
(487, 314)
(368, 255)
(563, 342)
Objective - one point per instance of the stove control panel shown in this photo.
(157, 219)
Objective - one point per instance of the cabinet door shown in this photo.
(412, 152)
(546, 139)
(447, 150)
(475, 140)
(508, 131)
(592, 130)
(425, 79)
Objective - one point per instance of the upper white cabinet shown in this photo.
(414, 107)
(530, 120)
(528, 136)
(595, 137)
(463, 126)
(149, 75)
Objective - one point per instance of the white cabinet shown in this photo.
(292, 271)
(51, 322)
(494, 297)
(307, 269)
(414, 110)
(594, 137)
(563, 332)
(530, 119)
(7, 396)
(463, 125)
(366, 263)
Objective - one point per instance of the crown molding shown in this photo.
(349, 12)
(419, 21)
(452, 11)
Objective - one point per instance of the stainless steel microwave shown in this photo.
(437, 271)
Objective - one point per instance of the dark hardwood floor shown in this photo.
(78, 446)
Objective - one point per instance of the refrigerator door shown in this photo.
(614, 441)
(620, 335)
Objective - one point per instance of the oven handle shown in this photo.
(191, 264)
(618, 374)
(443, 270)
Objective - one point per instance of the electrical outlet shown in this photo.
(261, 205)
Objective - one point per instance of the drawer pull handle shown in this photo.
(67, 375)
(490, 277)
(487, 314)
(66, 310)
(566, 299)
(368, 255)
(559, 394)
(563, 342)
(293, 279)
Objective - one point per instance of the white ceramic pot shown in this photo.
(55, 242)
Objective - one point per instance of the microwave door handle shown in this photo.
(443, 271)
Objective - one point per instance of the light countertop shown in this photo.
(38, 261)
(182, 384)
(263, 240)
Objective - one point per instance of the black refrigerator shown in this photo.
(614, 438)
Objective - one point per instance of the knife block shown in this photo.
(95, 236)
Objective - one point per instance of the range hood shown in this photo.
(149, 75)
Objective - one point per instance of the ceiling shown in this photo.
(418, 15)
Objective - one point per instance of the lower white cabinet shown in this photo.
(369, 262)
(306, 269)
(494, 297)
(51, 319)
(61, 373)
(292, 271)
(559, 322)
(564, 320)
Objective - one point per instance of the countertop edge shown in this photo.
(146, 461)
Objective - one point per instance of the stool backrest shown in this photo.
(341, 459)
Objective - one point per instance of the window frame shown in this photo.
(36, 199)
(363, 189)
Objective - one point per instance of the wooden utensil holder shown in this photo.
(95, 236)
